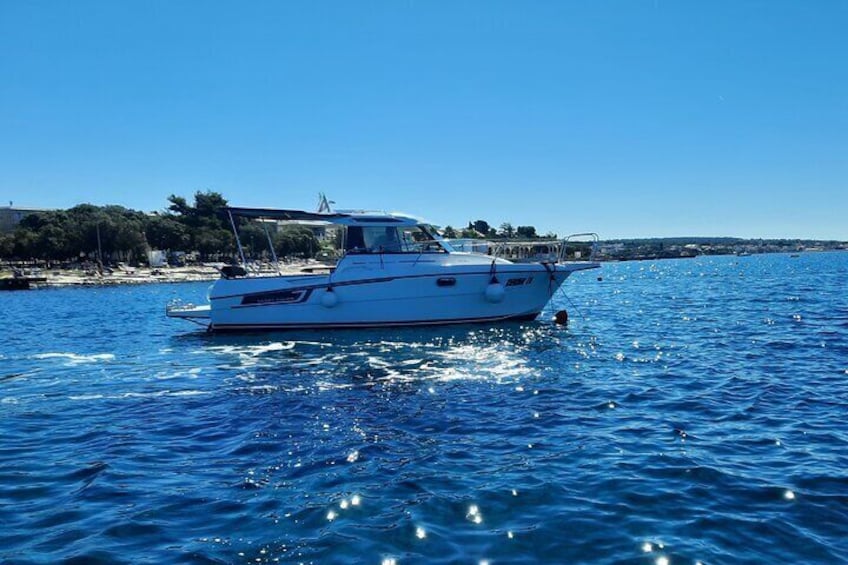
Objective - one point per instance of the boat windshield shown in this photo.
(391, 239)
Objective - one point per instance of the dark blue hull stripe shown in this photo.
(385, 280)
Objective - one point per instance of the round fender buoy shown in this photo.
(495, 292)
(329, 298)
(561, 317)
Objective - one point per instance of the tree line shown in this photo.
(480, 229)
(184, 230)
(115, 233)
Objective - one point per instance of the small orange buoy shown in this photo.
(561, 317)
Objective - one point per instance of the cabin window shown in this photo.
(382, 239)
(391, 239)
(418, 240)
(354, 240)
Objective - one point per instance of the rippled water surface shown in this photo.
(694, 411)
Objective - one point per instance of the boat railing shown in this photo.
(575, 247)
(590, 243)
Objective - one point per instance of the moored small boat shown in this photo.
(21, 281)
(393, 270)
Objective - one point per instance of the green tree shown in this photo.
(85, 222)
(42, 236)
(209, 204)
(163, 231)
(296, 241)
(7, 245)
(507, 230)
(212, 243)
(126, 235)
(24, 243)
(51, 243)
(481, 226)
(121, 233)
(449, 232)
(254, 238)
(526, 232)
(209, 231)
(205, 211)
(180, 206)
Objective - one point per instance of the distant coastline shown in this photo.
(688, 247)
(191, 234)
(648, 249)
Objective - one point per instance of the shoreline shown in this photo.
(56, 278)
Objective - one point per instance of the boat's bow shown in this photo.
(574, 266)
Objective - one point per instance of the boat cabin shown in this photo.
(391, 239)
(359, 233)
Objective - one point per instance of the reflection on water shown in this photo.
(345, 358)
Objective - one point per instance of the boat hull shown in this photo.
(384, 297)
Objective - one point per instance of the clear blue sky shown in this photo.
(630, 118)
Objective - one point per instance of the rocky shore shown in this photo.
(135, 275)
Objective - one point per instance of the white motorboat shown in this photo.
(393, 270)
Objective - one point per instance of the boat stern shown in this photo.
(191, 312)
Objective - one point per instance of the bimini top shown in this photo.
(349, 218)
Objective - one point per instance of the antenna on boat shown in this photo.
(324, 204)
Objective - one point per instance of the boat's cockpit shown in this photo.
(341, 234)
(392, 239)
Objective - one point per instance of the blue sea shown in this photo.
(693, 411)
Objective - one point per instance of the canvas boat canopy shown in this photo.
(278, 214)
(346, 218)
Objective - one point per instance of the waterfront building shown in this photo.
(11, 216)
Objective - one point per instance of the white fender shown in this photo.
(329, 298)
(495, 292)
